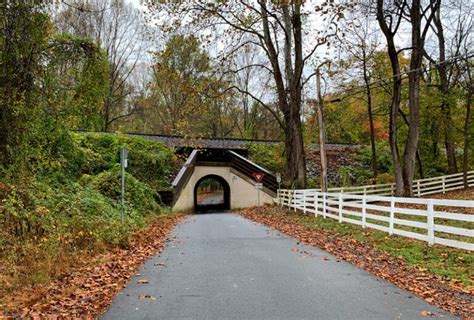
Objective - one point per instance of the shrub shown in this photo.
(137, 194)
(71, 204)
(149, 161)
(270, 157)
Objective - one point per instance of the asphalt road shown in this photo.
(222, 266)
(212, 199)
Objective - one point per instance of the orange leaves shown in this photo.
(88, 290)
(143, 281)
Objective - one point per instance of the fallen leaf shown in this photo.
(90, 288)
(143, 281)
(426, 313)
(451, 296)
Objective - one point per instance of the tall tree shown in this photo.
(469, 88)
(119, 28)
(276, 30)
(446, 70)
(360, 42)
(390, 16)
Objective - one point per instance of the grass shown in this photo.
(458, 194)
(450, 264)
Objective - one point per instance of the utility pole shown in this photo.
(123, 165)
(322, 133)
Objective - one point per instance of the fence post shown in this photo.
(294, 200)
(444, 185)
(365, 190)
(340, 207)
(430, 216)
(324, 205)
(304, 201)
(316, 203)
(418, 188)
(392, 189)
(392, 216)
(364, 211)
(278, 197)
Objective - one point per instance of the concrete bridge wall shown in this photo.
(242, 189)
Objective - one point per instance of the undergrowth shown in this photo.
(71, 208)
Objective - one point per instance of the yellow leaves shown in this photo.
(143, 281)
(43, 211)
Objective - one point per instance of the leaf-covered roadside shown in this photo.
(89, 290)
(416, 278)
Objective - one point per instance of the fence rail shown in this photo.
(436, 221)
(421, 187)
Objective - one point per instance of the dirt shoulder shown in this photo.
(87, 291)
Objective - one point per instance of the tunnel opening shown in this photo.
(211, 193)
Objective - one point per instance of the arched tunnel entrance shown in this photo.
(211, 192)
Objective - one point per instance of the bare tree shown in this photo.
(246, 79)
(467, 121)
(390, 17)
(360, 41)
(459, 28)
(118, 28)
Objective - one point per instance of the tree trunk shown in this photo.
(371, 117)
(322, 134)
(467, 124)
(289, 95)
(445, 93)
(396, 97)
(413, 99)
(294, 149)
(418, 158)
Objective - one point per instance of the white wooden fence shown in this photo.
(420, 187)
(436, 221)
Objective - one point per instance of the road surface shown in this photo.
(223, 266)
(212, 199)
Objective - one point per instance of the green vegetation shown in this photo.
(71, 207)
(271, 157)
(359, 173)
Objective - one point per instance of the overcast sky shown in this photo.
(135, 3)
